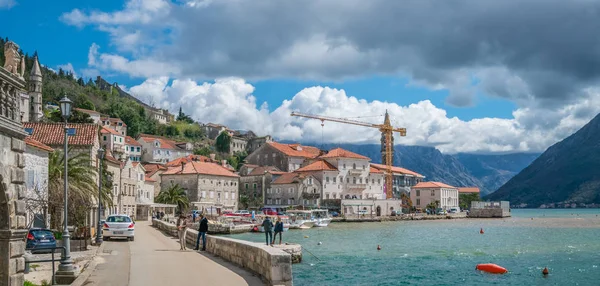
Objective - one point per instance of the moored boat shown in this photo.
(300, 219)
(321, 218)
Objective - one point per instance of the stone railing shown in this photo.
(272, 264)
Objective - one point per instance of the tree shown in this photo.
(233, 161)
(204, 151)
(91, 83)
(183, 117)
(87, 104)
(76, 117)
(223, 141)
(244, 201)
(174, 195)
(466, 199)
(80, 81)
(172, 131)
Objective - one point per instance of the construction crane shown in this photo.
(387, 130)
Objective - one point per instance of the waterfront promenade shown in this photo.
(154, 259)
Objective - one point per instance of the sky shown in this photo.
(471, 76)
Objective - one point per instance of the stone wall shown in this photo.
(272, 264)
(489, 213)
(36, 178)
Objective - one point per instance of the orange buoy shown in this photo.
(491, 268)
(481, 231)
(378, 247)
(545, 271)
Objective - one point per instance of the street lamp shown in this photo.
(66, 264)
(99, 229)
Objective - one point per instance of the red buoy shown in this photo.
(491, 268)
(481, 231)
(378, 247)
(545, 271)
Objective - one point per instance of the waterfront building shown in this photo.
(209, 186)
(36, 182)
(254, 181)
(157, 149)
(403, 179)
(490, 209)
(294, 189)
(286, 157)
(430, 192)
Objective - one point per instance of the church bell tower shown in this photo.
(35, 92)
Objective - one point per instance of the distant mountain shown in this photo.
(568, 172)
(487, 172)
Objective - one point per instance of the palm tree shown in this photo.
(82, 185)
(174, 195)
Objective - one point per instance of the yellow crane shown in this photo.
(387, 130)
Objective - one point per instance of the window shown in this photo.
(130, 173)
(326, 195)
(121, 139)
(418, 202)
(226, 195)
(354, 166)
(364, 167)
(432, 193)
(115, 139)
(278, 201)
(254, 186)
(290, 201)
(418, 193)
(347, 179)
(203, 194)
(360, 180)
(334, 179)
(138, 149)
(290, 190)
(30, 179)
(373, 182)
(327, 179)
(310, 181)
(212, 194)
(334, 196)
(353, 180)
(306, 202)
(104, 138)
(141, 177)
(246, 185)
(344, 166)
(378, 181)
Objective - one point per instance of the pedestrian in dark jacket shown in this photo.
(268, 226)
(202, 230)
(278, 230)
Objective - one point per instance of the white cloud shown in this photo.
(139, 68)
(7, 4)
(230, 101)
(68, 68)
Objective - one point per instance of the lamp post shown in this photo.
(66, 264)
(99, 229)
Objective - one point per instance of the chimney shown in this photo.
(212, 156)
(224, 163)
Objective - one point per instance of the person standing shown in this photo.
(202, 230)
(278, 230)
(268, 226)
(181, 228)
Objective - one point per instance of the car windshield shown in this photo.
(41, 233)
(118, 219)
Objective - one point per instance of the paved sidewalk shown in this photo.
(154, 259)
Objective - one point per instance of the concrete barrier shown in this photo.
(272, 264)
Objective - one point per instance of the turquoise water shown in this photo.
(446, 252)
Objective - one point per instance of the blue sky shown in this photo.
(234, 55)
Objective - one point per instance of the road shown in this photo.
(155, 259)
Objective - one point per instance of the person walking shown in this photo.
(181, 228)
(202, 230)
(278, 230)
(268, 226)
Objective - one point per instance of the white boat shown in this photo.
(321, 218)
(300, 219)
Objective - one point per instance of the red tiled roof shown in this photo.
(53, 134)
(113, 120)
(432, 185)
(468, 190)
(203, 168)
(132, 142)
(287, 178)
(109, 157)
(37, 144)
(320, 165)
(187, 159)
(295, 150)
(152, 168)
(148, 179)
(257, 171)
(341, 153)
(87, 111)
(375, 170)
(105, 130)
(164, 142)
(397, 170)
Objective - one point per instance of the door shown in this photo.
(378, 211)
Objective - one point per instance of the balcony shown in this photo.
(355, 172)
(356, 186)
(311, 196)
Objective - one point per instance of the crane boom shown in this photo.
(385, 128)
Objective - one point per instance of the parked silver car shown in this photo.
(118, 226)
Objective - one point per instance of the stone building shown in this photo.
(153, 172)
(254, 181)
(209, 186)
(13, 228)
(286, 157)
(115, 124)
(133, 150)
(213, 130)
(237, 144)
(114, 167)
(429, 192)
(132, 183)
(403, 179)
(112, 140)
(294, 189)
(157, 149)
(36, 178)
(94, 115)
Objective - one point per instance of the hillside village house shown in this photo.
(112, 140)
(286, 157)
(95, 115)
(36, 182)
(255, 180)
(213, 130)
(115, 124)
(294, 189)
(403, 179)
(153, 172)
(133, 149)
(209, 186)
(157, 149)
(113, 166)
(132, 182)
(427, 192)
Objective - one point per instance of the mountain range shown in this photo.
(567, 173)
(488, 172)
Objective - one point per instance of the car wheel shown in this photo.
(131, 238)
(106, 238)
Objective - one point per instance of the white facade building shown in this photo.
(427, 192)
(36, 182)
(156, 149)
(133, 149)
(112, 140)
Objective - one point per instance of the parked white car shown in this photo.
(118, 226)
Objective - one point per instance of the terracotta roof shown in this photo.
(432, 185)
(250, 165)
(148, 179)
(109, 157)
(113, 120)
(296, 150)
(375, 170)
(341, 153)
(53, 134)
(187, 159)
(397, 170)
(261, 170)
(131, 141)
(37, 144)
(105, 130)
(467, 190)
(204, 168)
(152, 168)
(287, 178)
(164, 142)
(87, 111)
(320, 165)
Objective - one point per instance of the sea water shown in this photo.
(445, 252)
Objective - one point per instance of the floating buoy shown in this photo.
(255, 229)
(378, 247)
(319, 243)
(491, 268)
(481, 231)
(306, 236)
(545, 271)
